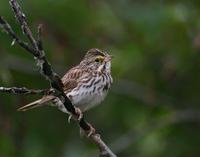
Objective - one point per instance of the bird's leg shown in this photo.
(78, 113)
(90, 131)
(69, 118)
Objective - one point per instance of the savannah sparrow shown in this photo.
(86, 84)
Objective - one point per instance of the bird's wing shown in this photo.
(72, 77)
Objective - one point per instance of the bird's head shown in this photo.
(97, 60)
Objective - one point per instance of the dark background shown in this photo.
(152, 109)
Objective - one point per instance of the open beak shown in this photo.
(108, 58)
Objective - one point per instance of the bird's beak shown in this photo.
(108, 58)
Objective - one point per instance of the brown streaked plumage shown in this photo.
(86, 84)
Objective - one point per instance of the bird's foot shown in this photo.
(78, 113)
(91, 131)
(88, 133)
(69, 118)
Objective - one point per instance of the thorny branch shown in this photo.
(36, 49)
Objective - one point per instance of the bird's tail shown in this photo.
(37, 103)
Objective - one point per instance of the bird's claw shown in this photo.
(90, 131)
(69, 118)
(79, 113)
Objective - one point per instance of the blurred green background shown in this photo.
(152, 109)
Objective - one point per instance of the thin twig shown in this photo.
(24, 90)
(46, 70)
(20, 16)
(39, 38)
(7, 28)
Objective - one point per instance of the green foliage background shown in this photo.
(152, 109)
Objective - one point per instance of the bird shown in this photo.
(86, 84)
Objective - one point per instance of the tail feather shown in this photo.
(30, 106)
(36, 103)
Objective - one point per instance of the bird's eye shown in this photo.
(99, 59)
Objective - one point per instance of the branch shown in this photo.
(7, 28)
(46, 70)
(24, 90)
